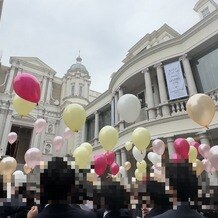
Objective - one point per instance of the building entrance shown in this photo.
(18, 149)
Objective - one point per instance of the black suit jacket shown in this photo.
(124, 213)
(181, 212)
(64, 211)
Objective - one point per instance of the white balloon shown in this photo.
(19, 177)
(190, 140)
(122, 170)
(129, 108)
(138, 155)
(154, 158)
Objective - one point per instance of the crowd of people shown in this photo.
(63, 191)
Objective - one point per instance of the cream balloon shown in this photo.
(129, 108)
(199, 167)
(8, 165)
(138, 175)
(21, 106)
(128, 146)
(88, 146)
(74, 116)
(201, 109)
(108, 137)
(127, 165)
(138, 155)
(141, 166)
(192, 155)
(141, 138)
(81, 155)
(26, 169)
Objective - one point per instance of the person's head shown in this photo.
(183, 180)
(156, 192)
(57, 182)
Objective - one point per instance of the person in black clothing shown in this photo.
(183, 185)
(59, 187)
(159, 200)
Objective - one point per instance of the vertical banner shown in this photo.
(175, 81)
(112, 111)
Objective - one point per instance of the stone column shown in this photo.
(118, 157)
(149, 94)
(123, 159)
(63, 88)
(170, 147)
(112, 111)
(162, 89)
(121, 122)
(96, 127)
(44, 83)
(7, 129)
(48, 97)
(10, 80)
(2, 120)
(189, 75)
(204, 139)
(115, 111)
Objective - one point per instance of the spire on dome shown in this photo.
(79, 59)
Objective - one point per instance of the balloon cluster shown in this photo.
(101, 161)
(27, 89)
(189, 149)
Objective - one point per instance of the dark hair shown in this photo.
(156, 191)
(57, 182)
(183, 179)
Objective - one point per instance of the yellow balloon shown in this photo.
(26, 169)
(74, 116)
(128, 146)
(141, 138)
(138, 175)
(198, 167)
(21, 106)
(88, 146)
(192, 154)
(127, 165)
(81, 155)
(9, 165)
(201, 109)
(141, 166)
(108, 137)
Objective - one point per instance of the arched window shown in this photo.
(80, 90)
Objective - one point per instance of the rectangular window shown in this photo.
(105, 118)
(90, 129)
(80, 90)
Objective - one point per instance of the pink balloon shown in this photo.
(27, 87)
(100, 164)
(68, 133)
(213, 156)
(33, 157)
(58, 143)
(207, 165)
(40, 125)
(114, 168)
(181, 147)
(195, 144)
(213, 170)
(176, 158)
(204, 149)
(12, 137)
(110, 157)
(158, 146)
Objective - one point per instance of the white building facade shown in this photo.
(145, 73)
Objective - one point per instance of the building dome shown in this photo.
(78, 66)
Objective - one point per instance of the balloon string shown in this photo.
(210, 136)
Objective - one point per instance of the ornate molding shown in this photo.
(158, 65)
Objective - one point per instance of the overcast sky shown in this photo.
(103, 30)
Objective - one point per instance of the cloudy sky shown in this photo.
(103, 30)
